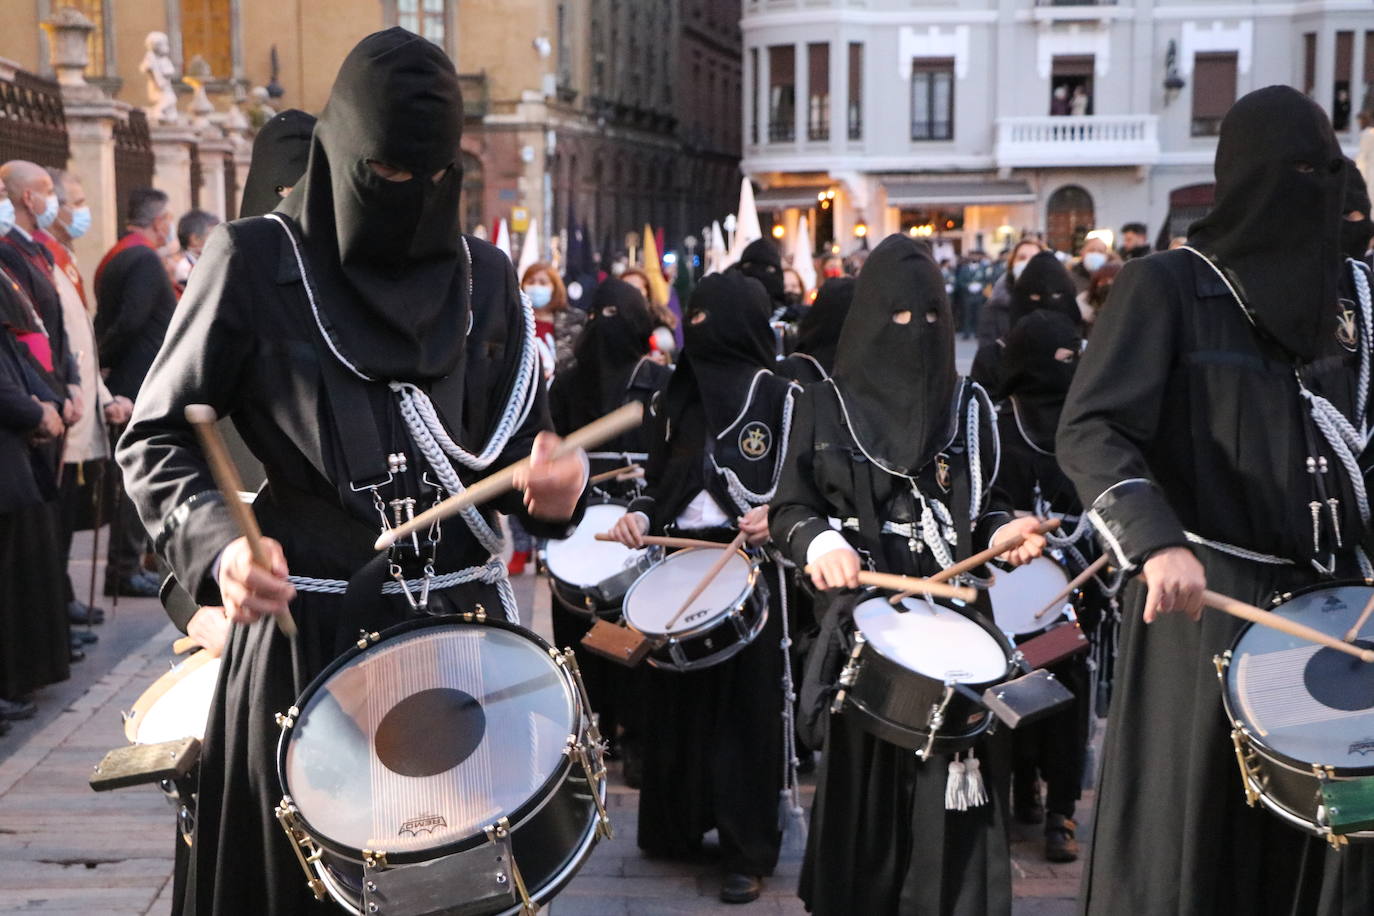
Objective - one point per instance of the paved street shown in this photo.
(67, 850)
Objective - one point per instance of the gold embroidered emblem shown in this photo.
(942, 471)
(755, 441)
(1347, 331)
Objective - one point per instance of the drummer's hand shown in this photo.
(630, 529)
(838, 568)
(552, 485)
(248, 591)
(754, 524)
(1176, 581)
(1032, 547)
(209, 627)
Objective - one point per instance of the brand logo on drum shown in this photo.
(755, 441)
(1331, 604)
(696, 614)
(1363, 747)
(425, 824)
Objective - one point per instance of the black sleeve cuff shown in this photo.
(1134, 520)
(192, 538)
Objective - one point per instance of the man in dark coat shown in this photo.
(1194, 432)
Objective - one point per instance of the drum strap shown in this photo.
(870, 526)
(959, 491)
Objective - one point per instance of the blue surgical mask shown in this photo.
(540, 296)
(49, 214)
(1093, 261)
(81, 222)
(6, 216)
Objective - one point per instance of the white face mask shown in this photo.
(1017, 268)
(1093, 261)
(81, 222)
(6, 216)
(49, 214)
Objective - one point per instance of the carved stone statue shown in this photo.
(157, 65)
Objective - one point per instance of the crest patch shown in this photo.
(755, 441)
(1347, 330)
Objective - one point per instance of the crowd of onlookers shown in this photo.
(78, 340)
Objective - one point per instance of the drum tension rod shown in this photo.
(499, 835)
(288, 818)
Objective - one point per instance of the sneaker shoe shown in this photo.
(1060, 843)
(137, 585)
(82, 613)
(737, 888)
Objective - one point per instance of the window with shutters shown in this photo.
(426, 18)
(818, 92)
(782, 94)
(206, 35)
(856, 90)
(1340, 90)
(932, 98)
(1367, 78)
(1214, 91)
(753, 87)
(1309, 62)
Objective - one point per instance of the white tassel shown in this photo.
(792, 822)
(954, 786)
(975, 793)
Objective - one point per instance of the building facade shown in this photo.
(611, 113)
(972, 122)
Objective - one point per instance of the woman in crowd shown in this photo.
(994, 321)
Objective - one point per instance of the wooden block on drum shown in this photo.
(138, 764)
(618, 643)
(1349, 804)
(1054, 645)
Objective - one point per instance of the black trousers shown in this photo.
(128, 540)
(81, 485)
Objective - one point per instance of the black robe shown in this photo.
(881, 841)
(1181, 416)
(244, 341)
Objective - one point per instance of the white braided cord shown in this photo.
(491, 573)
(1345, 441)
(791, 788)
(1254, 556)
(1359, 275)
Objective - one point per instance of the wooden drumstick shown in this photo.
(608, 427)
(731, 549)
(907, 586)
(628, 472)
(1078, 580)
(183, 645)
(203, 417)
(1354, 631)
(1282, 624)
(654, 540)
(978, 559)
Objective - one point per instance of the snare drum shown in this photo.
(1303, 716)
(725, 617)
(1017, 595)
(448, 759)
(590, 577)
(177, 704)
(900, 677)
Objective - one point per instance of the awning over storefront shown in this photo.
(960, 193)
(796, 196)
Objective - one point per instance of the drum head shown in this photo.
(653, 600)
(1305, 702)
(1019, 594)
(177, 704)
(428, 736)
(932, 640)
(581, 560)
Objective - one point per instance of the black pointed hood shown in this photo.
(1045, 284)
(1275, 228)
(614, 340)
(280, 152)
(388, 255)
(1032, 376)
(761, 260)
(898, 380)
(1355, 233)
(818, 331)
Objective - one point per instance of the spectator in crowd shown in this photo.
(556, 325)
(1059, 101)
(1364, 158)
(1078, 103)
(832, 267)
(87, 445)
(192, 230)
(1092, 256)
(1135, 241)
(995, 321)
(135, 301)
(663, 318)
(1101, 286)
(794, 293)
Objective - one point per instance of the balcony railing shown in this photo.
(1073, 10)
(1104, 140)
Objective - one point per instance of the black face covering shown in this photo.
(1034, 377)
(1355, 234)
(1044, 284)
(818, 332)
(280, 152)
(897, 380)
(616, 337)
(724, 350)
(760, 260)
(1276, 225)
(388, 255)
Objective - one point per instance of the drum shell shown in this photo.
(604, 599)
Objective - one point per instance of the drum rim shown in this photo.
(517, 817)
(160, 688)
(706, 626)
(543, 551)
(977, 617)
(1049, 621)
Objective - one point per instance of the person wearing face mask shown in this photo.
(1092, 257)
(762, 261)
(886, 447)
(1189, 431)
(1357, 228)
(713, 742)
(994, 321)
(338, 331)
(134, 305)
(1043, 283)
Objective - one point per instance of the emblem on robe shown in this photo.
(755, 441)
(942, 471)
(1347, 331)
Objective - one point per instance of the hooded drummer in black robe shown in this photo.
(1357, 230)
(1044, 284)
(281, 151)
(1189, 432)
(818, 333)
(713, 739)
(894, 438)
(355, 324)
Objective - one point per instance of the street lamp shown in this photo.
(1173, 83)
(779, 231)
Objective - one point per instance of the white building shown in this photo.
(975, 120)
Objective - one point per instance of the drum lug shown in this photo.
(479, 614)
(499, 835)
(287, 719)
(937, 719)
(365, 639)
(288, 816)
(596, 777)
(1243, 760)
(848, 674)
(374, 858)
(1222, 662)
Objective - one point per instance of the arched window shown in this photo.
(473, 189)
(1187, 205)
(1069, 217)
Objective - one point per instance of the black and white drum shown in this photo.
(1303, 715)
(725, 618)
(449, 761)
(1017, 595)
(901, 675)
(590, 577)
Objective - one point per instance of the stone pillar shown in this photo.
(213, 189)
(172, 164)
